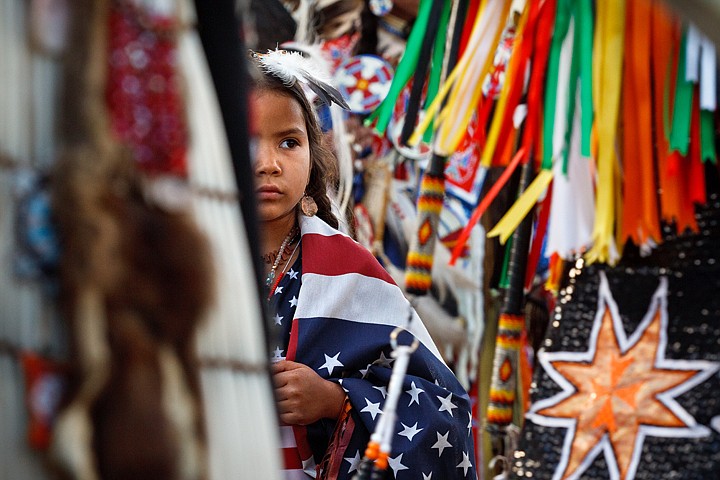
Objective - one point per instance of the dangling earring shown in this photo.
(308, 205)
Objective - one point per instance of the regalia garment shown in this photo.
(346, 309)
(627, 383)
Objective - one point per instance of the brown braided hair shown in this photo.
(323, 167)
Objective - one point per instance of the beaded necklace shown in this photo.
(281, 253)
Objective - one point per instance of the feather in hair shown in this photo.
(291, 67)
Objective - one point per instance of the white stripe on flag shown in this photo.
(319, 294)
(295, 475)
(318, 226)
(287, 437)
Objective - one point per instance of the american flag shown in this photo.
(346, 309)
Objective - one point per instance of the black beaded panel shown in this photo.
(691, 263)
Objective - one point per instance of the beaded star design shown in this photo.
(620, 391)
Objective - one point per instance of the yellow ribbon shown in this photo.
(499, 115)
(437, 103)
(464, 97)
(512, 218)
(608, 60)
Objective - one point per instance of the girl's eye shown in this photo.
(289, 143)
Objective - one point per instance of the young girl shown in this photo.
(333, 308)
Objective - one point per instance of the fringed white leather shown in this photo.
(242, 430)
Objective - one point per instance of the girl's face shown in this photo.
(282, 154)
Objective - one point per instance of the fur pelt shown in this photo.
(135, 282)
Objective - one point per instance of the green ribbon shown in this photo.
(405, 69)
(572, 92)
(682, 108)
(562, 23)
(580, 70)
(707, 136)
(437, 62)
(585, 28)
(504, 282)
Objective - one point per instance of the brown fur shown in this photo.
(149, 269)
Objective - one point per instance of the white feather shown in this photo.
(289, 67)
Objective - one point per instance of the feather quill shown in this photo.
(292, 67)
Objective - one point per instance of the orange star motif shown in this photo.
(619, 391)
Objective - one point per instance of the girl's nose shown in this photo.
(266, 161)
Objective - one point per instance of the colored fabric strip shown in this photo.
(484, 204)
(404, 71)
(572, 213)
(458, 19)
(532, 131)
(585, 29)
(665, 42)
(707, 136)
(640, 221)
(539, 237)
(464, 97)
(509, 222)
(562, 24)
(572, 88)
(466, 92)
(514, 82)
(607, 81)
(421, 69)
(696, 184)
(437, 71)
(522, 206)
(708, 76)
(692, 54)
(682, 107)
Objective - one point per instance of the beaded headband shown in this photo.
(291, 67)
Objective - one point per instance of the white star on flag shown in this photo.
(278, 290)
(278, 354)
(331, 363)
(469, 425)
(465, 464)
(384, 361)
(373, 408)
(442, 442)
(364, 371)
(414, 392)
(382, 390)
(428, 476)
(293, 301)
(278, 319)
(396, 464)
(354, 461)
(447, 405)
(409, 432)
(292, 274)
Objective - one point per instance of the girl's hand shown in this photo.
(303, 396)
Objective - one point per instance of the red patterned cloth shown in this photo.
(143, 90)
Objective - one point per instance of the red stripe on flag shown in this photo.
(292, 343)
(303, 445)
(321, 254)
(291, 459)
